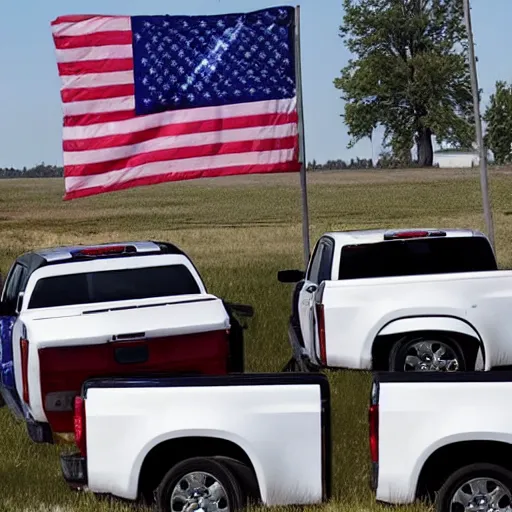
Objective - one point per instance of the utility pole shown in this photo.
(484, 182)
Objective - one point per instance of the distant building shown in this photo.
(452, 158)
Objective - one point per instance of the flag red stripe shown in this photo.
(212, 125)
(189, 175)
(84, 67)
(95, 39)
(74, 18)
(97, 93)
(223, 148)
(109, 117)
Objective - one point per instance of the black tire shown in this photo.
(457, 479)
(245, 476)
(399, 351)
(216, 469)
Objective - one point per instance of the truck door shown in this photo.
(16, 280)
(319, 270)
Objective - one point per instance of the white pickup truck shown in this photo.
(74, 313)
(204, 443)
(443, 436)
(404, 300)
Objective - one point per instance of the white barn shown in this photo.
(459, 159)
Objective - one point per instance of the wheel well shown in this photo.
(382, 346)
(164, 456)
(448, 459)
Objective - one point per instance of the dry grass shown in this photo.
(240, 232)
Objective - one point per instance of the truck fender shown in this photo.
(453, 448)
(429, 323)
(432, 323)
(206, 434)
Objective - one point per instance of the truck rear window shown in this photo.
(113, 285)
(417, 257)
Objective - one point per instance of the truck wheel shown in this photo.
(484, 487)
(199, 483)
(424, 353)
(245, 477)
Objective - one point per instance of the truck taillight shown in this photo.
(403, 235)
(320, 316)
(24, 368)
(373, 420)
(79, 424)
(374, 432)
(105, 250)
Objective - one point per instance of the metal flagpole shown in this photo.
(484, 184)
(302, 147)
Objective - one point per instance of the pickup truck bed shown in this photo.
(276, 427)
(441, 434)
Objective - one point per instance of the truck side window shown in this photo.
(314, 269)
(325, 270)
(12, 288)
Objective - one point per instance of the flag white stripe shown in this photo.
(78, 108)
(97, 79)
(285, 106)
(179, 141)
(96, 24)
(115, 51)
(74, 183)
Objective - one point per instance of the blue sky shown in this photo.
(30, 109)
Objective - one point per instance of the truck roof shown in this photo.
(371, 236)
(56, 255)
(112, 249)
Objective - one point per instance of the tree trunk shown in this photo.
(425, 148)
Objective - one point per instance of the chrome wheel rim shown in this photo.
(199, 491)
(482, 495)
(431, 356)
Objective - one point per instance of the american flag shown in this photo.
(149, 99)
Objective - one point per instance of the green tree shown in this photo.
(498, 117)
(409, 74)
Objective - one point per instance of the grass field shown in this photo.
(240, 232)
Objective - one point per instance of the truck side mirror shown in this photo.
(290, 276)
(19, 302)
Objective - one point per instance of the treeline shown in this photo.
(52, 171)
(386, 161)
(39, 171)
(334, 165)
